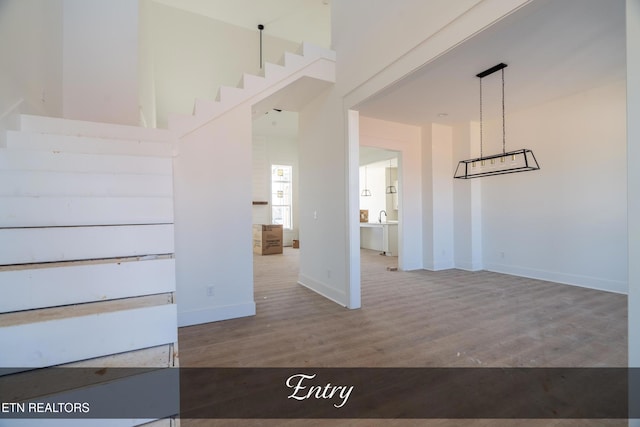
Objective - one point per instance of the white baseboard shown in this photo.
(438, 266)
(337, 296)
(597, 283)
(216, 314)
(468, 266)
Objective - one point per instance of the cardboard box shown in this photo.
(267, 239)
(296, 244)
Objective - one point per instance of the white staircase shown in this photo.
(303, 75)
(87, 271)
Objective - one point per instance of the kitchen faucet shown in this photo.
(380, 215)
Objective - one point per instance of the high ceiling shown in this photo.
(553, 48)
(294, 20)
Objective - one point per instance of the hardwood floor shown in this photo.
(449, 318)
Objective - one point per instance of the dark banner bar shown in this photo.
(502, 393)
(406, 393)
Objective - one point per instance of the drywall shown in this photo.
(31, 52)
(467, 200)
(437, 197)
(633, 180)
(194, 55)
(324, 265)
(76, 59)
(405, 139)
(146, 72)
(100, 61)
(566, 222)
(213, 226)
(427, 200)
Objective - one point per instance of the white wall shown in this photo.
(324, 261)
(146, 72)
(438, 197)
(31, 56)
(213, 220)
(100, 61)
(467, 200)
(75, 59)
(566, 222)
(195, 55)
(405, 139)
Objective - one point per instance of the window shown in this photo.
(281, 195)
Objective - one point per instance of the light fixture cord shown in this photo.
(260, 28)
(504, 143)
(480, 116)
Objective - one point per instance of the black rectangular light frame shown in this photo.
(464, 171)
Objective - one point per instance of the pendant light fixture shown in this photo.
(391, 189)
(365, 192)
(506, 162)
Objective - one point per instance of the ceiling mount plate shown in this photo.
(492, 70)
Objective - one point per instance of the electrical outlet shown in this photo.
(210, 291)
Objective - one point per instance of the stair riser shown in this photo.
(58, 184)
(23, 160)
(205, 107)
(74, 144)
(51, 125)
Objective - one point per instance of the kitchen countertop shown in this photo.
(377, 224)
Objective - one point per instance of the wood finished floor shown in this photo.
(450, 318)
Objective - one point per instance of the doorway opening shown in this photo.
(275, 201)
(379, 199)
